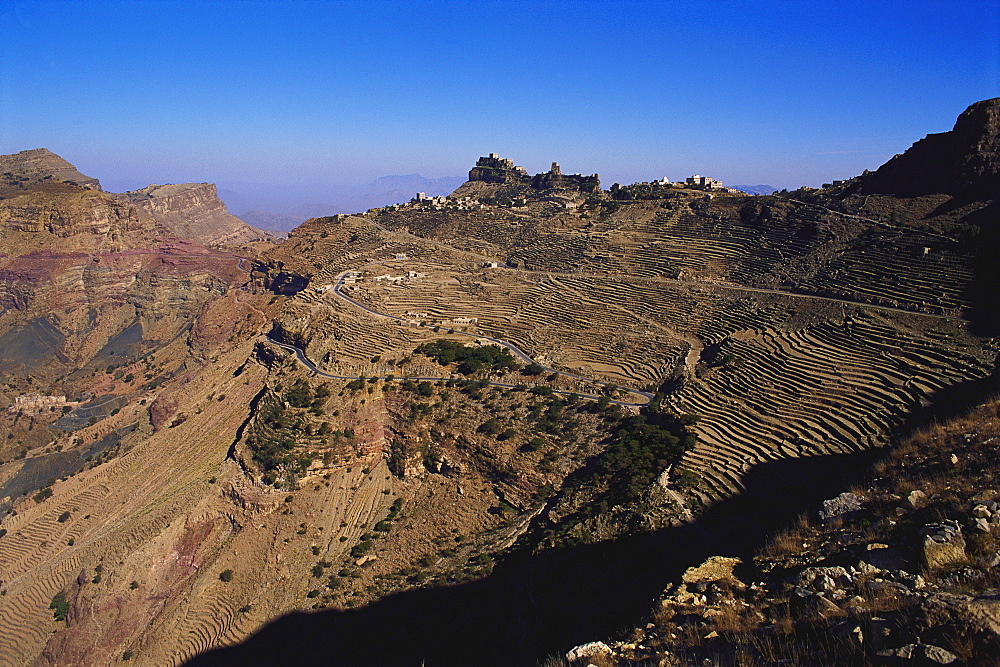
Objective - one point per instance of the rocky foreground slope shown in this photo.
(900, 569)
(479, 429)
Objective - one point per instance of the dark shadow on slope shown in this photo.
(26, 346)
(122, 348)
(983, 292)
(41, 471)
(950, 402)
(534, 606)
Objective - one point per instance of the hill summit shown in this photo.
(962, 162)
(43, 164)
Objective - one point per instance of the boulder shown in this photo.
(824, 578)
(697, 580)
(943, 545)
(587, 651)
(716, 568)
(975, 616)
(851, 632)
(879, 632)
(925, 653)
(816, 606)
(842, 504)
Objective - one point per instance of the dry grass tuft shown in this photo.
(784, 544)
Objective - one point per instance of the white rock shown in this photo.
(842, 504)
(590, 650)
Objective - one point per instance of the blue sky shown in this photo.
(311, 97)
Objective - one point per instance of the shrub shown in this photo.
(64, 517)
(42, 495)
(491, 426)
(533, 445)
(299, 395)
(226, 575)
(470, 359)
(361, 548)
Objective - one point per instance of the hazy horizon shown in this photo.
(297, 101)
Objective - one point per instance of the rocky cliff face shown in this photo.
(194, 211)
(964, 161)
(554, 179)
(83, 272)
(86, 221)
(494, 169)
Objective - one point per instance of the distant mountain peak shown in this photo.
(756, 189)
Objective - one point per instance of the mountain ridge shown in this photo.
(964, 161)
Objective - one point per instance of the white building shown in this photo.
(703, 182)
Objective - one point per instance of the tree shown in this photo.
(226, 576)
(59, 606)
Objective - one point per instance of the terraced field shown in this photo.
(801, 248)
(704, 302)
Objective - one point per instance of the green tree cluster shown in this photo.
(469, 359)
(640, 450)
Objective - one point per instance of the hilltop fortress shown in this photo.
(494, 169)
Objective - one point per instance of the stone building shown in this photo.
(703, 182)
